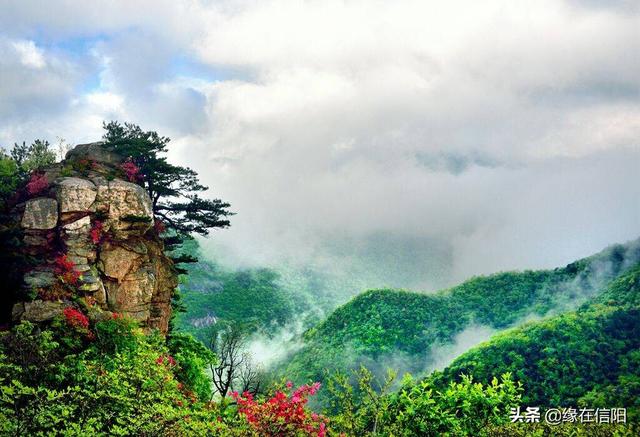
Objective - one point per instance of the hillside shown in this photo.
(401, 329)
(589, 357)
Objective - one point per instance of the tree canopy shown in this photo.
(174, 190)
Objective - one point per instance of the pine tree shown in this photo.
(174, 190)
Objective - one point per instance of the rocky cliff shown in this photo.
(88, 238)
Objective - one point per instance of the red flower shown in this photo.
(282, 413)
(66, 270)
(168, 358)
(75, 318)
(37, 183)
(159, 226)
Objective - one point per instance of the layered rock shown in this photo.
(91, 235)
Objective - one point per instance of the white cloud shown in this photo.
(30, 55)
(463, 127)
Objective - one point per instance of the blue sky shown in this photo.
(474, 136)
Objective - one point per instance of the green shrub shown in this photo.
(116, 334)
(193, 360)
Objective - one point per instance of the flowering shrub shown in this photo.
(75, 318)
(66, 270)
(37, 184)
(282, 415)
(131, 171)
(96, 231)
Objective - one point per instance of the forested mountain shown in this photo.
(586, 358)
(406, 330)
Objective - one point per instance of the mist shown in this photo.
(413, 145)
(267, 349)
(441, 355)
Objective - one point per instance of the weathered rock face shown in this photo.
(41, 213)
(76, 195)
(92, 235)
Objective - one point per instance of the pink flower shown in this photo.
(131, 170)
(282, 414)
(37, 183)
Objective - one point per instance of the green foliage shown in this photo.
(29, 158)
(193, 360)
(585, 358)
(114, 335)
(131, 391)
(9, 179)
(16, 167)
(462, 408)
(28, 355)
(254, 297)
(358, 409)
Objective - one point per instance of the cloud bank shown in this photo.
(415, 143)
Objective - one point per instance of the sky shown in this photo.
(415, 143)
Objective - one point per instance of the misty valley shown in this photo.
(121, 318)
(524, 324)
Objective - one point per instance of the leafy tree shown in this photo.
(8, 179)
(174, 190)
(359, 408)
(462, 408)
(193, 359)
(37, 155)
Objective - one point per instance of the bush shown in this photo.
(131, 391)
(193, 359)
(116, 334)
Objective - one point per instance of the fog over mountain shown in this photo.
(407, 144)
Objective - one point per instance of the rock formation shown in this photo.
(89, 234)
